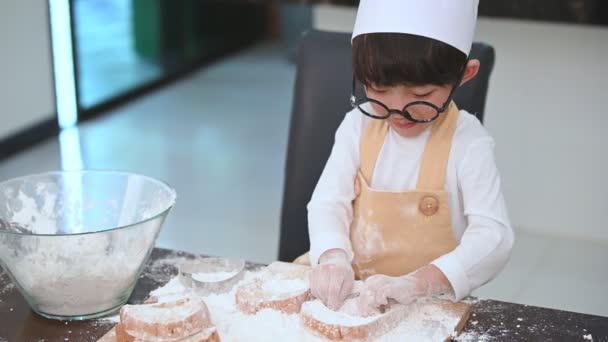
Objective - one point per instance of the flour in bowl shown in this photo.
(76, 275)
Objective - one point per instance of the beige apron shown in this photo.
(395, 233)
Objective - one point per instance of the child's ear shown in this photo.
(471, 70)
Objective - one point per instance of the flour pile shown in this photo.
(424, 322)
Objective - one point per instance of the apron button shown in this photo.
(429, 205)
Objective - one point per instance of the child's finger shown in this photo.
(335, 286)
(380, 297)
(319, 284)
(365, 304)
(347, 287)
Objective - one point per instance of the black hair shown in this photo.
(390, 59)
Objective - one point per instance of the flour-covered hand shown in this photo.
(379, 290)
(332, 279)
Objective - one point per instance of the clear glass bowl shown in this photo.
(74, 243)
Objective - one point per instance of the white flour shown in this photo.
(213, 277)
(163, 269)
(265, 326)
(280, 287)
(174, 286)
(158, 313)
(425, 323)
(419, 323)
(347, 316)
(6, 288)
(78, 274)
(41, 220)
(474, 337)
(110, 319)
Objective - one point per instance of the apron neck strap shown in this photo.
(436, 152)
(434, 164)
(371, 144)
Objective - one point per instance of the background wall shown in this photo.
(26, 82)
(547, 111)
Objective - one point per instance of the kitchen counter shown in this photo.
(490, 320)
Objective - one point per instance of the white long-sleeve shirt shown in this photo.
(478, 213)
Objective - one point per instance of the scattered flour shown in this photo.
(160, 313)
(110, 319)
(425, 323)
(266, 326)
(468, 300)
(163, 269)
(213, 277)
(345, 317)
(282, 286)
(105, 322)
(6, 288)
(474, 337)
(174, 286)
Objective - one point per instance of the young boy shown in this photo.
(410, 198)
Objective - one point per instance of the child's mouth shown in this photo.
(404, 124)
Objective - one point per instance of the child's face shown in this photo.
(397, 97)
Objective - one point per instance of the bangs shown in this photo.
(391, 59)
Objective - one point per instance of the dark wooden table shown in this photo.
(490, 321)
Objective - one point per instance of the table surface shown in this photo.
(490, 320)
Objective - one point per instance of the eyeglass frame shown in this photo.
(357, 102)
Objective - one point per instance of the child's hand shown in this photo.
(379, 289)
(332, 280)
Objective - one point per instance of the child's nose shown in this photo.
(395, 105)
(398, 104)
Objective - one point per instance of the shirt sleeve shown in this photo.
(330, 209)
(486, 244)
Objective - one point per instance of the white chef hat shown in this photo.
(449, 21)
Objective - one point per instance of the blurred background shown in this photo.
(199, 93)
